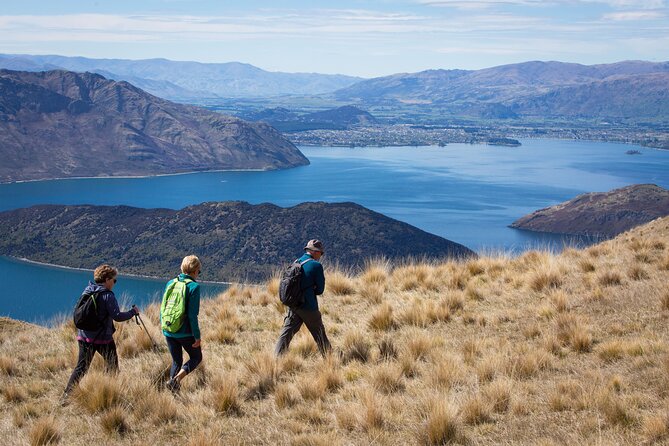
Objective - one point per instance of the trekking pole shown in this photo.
(139, 319)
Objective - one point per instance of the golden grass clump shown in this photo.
(372, 292)
(372, 412)
(376, 272)
(340, 284)
(664, 301)
(329, 374)
(13, 393)
(637, 272)
(314, 439)
(261, 375)
(655, 428)
(114, 421)
(546, 276)
(499, 393)
(388, 378)
(570, 330)
(225, 396)
(442, 425)
(418, 346)
(611, 351)
(286, 395)
(45, 431)
(382, 318)
(568, 395)
(475, 410)
(615, 410)
(446, 372)
(98, 392)
(387, 349)
(356, 347)
(609, 278)
(7, 366)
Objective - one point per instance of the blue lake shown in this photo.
(466, 193)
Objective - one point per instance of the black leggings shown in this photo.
(86, 352)
(175, 346)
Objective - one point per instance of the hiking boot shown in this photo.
(173, 385)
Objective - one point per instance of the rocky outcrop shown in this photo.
(598, 214)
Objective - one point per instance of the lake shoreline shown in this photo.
(134, 276)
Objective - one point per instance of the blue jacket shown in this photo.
(190, 326)
(313, 282)
(108, 312)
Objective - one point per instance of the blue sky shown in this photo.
(356, 37)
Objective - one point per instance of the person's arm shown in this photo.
(114, 311)
(319, 279)
(194, 310)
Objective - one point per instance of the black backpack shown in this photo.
(86, 313)
(290, 293)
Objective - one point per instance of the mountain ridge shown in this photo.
(59, 124)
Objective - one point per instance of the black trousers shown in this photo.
(86, 352)
(292, 324)
(175, 346)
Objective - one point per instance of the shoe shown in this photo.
(173, 385)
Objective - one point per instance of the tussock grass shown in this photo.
(97, 392)
(261, 375)
(226, 398)
(45, 431)
(14, 393)
(340, 284)
(476, 410)
(286, 395)
(388, 378)
(387, 349)
(356, 347)
(664, 301)
(383, 318)
(114, 422)
(8, 366)
(442, 425)
(609, 278)
(656, 427)
(498, 394)
(372, 416)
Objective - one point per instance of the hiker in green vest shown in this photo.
(178, 320)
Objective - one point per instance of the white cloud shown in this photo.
(633, 15)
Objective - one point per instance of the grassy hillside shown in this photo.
(539, 349)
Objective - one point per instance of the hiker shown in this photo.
(313, 284)
(101, 340)
(180, 325)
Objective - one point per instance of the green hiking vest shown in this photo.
(173, 307)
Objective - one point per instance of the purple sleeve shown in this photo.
(114, 311)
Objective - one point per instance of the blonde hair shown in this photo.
(190, 264)
(104, 272)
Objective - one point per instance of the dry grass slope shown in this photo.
(536, 349)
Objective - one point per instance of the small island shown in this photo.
(505, 142)
(633, 152)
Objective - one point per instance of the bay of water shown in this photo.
(466, 193)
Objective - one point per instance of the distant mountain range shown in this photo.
(632, 89)
(63, 124)
(235, 240)
(602, 214)
(289, 121)
(188, 80)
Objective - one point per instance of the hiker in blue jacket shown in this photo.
(100, 341)
(313, 284)
(188, 336)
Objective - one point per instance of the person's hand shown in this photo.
(135, 309)
(197, 343)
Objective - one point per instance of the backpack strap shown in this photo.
(308, 260)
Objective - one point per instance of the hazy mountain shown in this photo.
(234, 240)
(64, 124)
(604, 214)
(631, 88)
(197, 79)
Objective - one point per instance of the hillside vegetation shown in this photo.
(537, 349)
(236, 241)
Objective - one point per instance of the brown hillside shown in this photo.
(539, 349)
